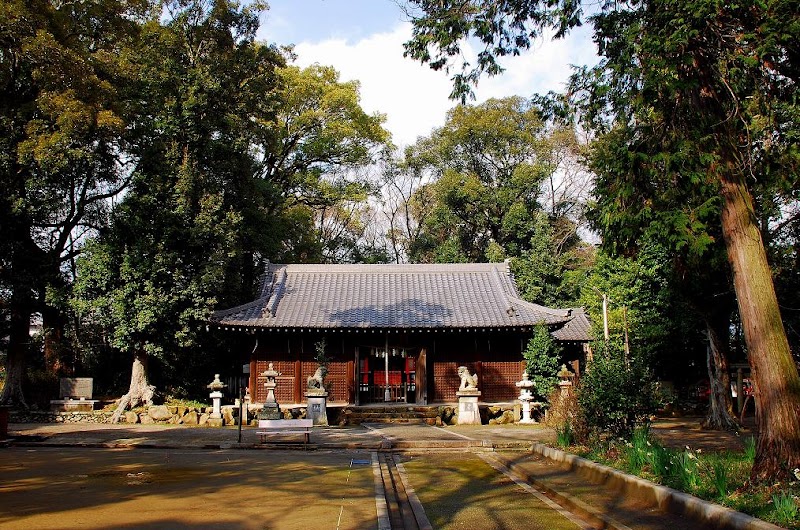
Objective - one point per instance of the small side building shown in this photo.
(395, 333)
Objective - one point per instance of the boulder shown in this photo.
(146, 419)
(159, 412)
(190, 418)
(227, 416)
(131, 417)
(203, 419)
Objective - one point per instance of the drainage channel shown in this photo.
(403, 509)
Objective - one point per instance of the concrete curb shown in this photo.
(667, 499)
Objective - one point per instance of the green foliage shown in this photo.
(616, 394)
(637, 449)
(643, 299)
(503, 28)
(320, 356)
(686, 470)
(785, 507)
(712, 476)
(491, 168)
(695, 111)
(240, 158)
(546, 275)
(720, 476)
(542, 362)
(564, 435)
(750, 448)
(313, 152)
(66, 72)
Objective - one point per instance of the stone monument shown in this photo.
(525, 397)
(317, 397)
(75, 395)
(468, 394)
(271, 410)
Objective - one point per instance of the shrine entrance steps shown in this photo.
(416, 414)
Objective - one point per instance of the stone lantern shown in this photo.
(271, 410)
(525, 397)
(216, 387)
(566, 380)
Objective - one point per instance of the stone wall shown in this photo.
(156, 414)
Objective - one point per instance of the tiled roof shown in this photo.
(480, 295)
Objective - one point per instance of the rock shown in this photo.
(506, 417)
(214, 422)
(159, 412)
(203, 420)
(190, 418)
(181, 410)
(227, 416)
(145, 419)
(131, 417)
(173, 409)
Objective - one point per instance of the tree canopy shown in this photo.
(694, 101)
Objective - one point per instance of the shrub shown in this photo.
(615, 394)
(541, 356)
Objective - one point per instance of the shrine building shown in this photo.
(395, 333)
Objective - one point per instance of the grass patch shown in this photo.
(721, 477)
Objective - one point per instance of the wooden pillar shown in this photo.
(253, 382)
(422, 377)
(297, 394)
(350, 381)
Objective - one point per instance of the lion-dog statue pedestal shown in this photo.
(468, 394)
(317, 397)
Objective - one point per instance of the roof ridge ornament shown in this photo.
(279, 285)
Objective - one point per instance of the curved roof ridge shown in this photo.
(564, 313)
(222, 313)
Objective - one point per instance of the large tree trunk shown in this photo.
(720, 407)
(53, 324)
(21, 306)
(19, 341)
(775, 377)
(140, 392)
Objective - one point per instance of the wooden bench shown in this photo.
(271, 427)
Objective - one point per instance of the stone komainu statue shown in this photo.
(468, 381)
(317, 381)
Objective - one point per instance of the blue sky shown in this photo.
(363, 40)
(294, 21)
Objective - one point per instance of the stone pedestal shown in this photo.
(270, 411)
(216, 398)
(468, 412)
(317, 409)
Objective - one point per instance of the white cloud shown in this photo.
(415, 98)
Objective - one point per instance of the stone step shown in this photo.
(405, 415)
